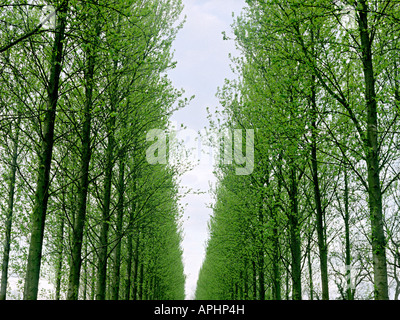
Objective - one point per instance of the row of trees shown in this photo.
(319, 217)
(81, 82)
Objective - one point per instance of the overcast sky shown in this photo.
(203, 64)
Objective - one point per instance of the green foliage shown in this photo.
(113, 78)
(317, 83)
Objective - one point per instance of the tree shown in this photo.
(320, 146)
(44, 157)
(92, 198)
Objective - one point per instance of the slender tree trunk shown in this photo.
(372, 155)
(60, 256)
(157, 291)
(130, 242)
(141, 283)
(235, 291)
(320, 215)
(93, 280)
(44, 161)
(349, 291)
(128, 281)
(240, 285)
(246, 281)
(85, 278)
(287, 284)
(254, 281)
(261, 280)
(295, 242)
(103, 254)
(261, 285)
(9, 216)
(276, 288)
(396, 278)
(310, 274)
(120, 214)
(136, 268)
(80, 217)
(128, 277)
(153, 287)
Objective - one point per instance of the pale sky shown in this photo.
(203, 64)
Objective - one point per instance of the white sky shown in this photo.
(203, 64)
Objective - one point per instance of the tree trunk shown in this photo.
(80, 217)
(287, 284)
(9, 216)
(254, 280)
(295, 242)
(44, 161)
(276, 280)
(136, 268)
(60, 256)
(246, 281)
(261, 284)
(320, 214)
(349, 290)
(103, 254)
(128, 277)
(396, 278)
(310, 274)
(141, 282)
(85, 278)
(276, 289)
(120, 214)
(240, 285)
(372, 156)
(93, 279)
(128, 281)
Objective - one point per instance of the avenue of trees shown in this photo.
(82, 213)
(318, 81)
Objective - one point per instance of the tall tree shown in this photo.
(10, 210)
(44, 157)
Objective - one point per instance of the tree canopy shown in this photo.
(86, 216)
(318, 217)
